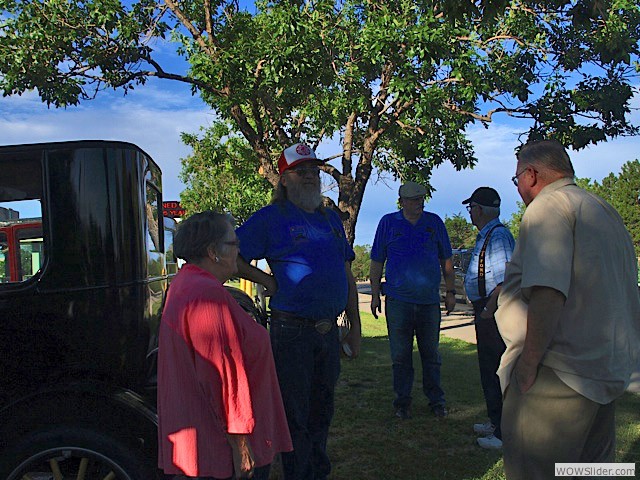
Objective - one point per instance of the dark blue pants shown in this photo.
(490, 348)
(403, 321)
(308, 366)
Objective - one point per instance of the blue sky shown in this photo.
(154, 115)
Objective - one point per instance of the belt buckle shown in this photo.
(323, 326)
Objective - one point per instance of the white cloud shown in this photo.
(152, 119)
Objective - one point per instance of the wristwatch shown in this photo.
(452, 291)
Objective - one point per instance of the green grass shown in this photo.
(368, 442)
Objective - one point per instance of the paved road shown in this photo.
(456, 325)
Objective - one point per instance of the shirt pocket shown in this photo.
(298, 235)
(424, 240)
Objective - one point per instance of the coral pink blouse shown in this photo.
(215, 375)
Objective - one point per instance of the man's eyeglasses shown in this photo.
(302, 171)
(514, 179)
(470, 207)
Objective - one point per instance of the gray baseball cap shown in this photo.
(412, 189)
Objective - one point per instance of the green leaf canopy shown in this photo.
(395, 82)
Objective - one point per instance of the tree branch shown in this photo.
(347, 144)
(397, 112)
(492, 39)
(189, 26)
(299, 123)
(486, 118)
(207, 18)
(270, 109)
(160, 73)
(264, 155)
(255, 109)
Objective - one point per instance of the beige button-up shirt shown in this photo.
(576, 243)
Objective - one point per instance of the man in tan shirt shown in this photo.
(569, 312)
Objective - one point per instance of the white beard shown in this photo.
(304, 197)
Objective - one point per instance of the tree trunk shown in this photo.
(351, 190)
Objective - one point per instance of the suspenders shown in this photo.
(482, 288)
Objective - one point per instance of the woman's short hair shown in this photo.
(199, 232)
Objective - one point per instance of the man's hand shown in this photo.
(353, 340)
(375, 305)
(489, 310)
(525, 375)
(375, 277)
(450, 302)
(543, 317)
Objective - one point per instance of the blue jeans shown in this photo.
(403, 321)
(308, 366)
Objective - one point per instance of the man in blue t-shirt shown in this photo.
(306, 248)
(415, 246)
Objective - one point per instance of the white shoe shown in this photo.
(491, 442)
(484, 428)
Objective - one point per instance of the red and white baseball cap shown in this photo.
(296, 154)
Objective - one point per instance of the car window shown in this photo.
(22, 246)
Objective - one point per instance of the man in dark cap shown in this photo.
(482, 282)
(416, 248)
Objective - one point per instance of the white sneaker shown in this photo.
(491, 442)
(484, 428)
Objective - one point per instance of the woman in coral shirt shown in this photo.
(220, 412)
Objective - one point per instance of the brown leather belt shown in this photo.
(322, 326)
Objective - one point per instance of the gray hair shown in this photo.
(200, 232)
(547, 154)
(492, 212)
(279, 193)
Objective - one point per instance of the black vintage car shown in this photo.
(85, 263)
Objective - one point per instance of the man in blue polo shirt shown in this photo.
(415, 246)
(306, 248)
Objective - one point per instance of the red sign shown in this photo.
(173, 209)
